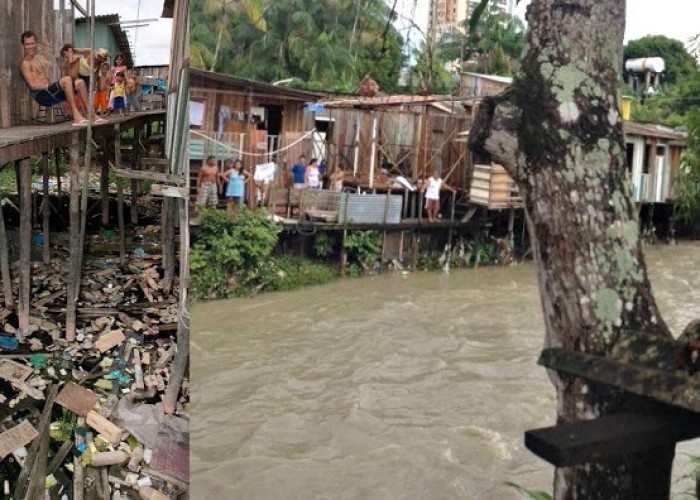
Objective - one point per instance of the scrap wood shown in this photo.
(13, 371)
(16, 437)
(34, 449)
(77, 399)
(109, 340)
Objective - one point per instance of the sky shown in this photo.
(673, 18)
(152, 41)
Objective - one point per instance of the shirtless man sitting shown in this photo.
(43, 92)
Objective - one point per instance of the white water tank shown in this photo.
(641, 65)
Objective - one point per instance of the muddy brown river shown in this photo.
(397, 386)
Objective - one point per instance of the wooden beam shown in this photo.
(5, 266)
(675, 387)
(46, 207)
(73, 282)
(120, 195)
(25, 240)
(151, 176)
(170, 191)
(104, 182)
(607, 437)
(135, 182)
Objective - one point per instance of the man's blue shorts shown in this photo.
(53, 94)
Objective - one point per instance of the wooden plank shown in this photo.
(148, 175)
(170, 191)
(674, 387)
(611, 436)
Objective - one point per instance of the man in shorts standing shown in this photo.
(208, 183)
(43, 92)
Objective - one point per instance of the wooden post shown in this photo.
(73, 279)
(373, 150)
(511, 225)
(414, 249)
(120, 195)
(343, 254)
(168, 242)
(46, 207)
(57, 160)
(104, 183)
(25, 240)
(135, 183)
(179, 366)
(5, 264)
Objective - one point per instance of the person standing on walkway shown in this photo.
(432, 188)
(208, 183)
(312, 179)
(299, 173)
(235, 178)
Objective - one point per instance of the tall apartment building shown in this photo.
(452, 13)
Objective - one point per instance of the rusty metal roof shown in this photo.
(388, 100)
(653, 130)
(211, 80)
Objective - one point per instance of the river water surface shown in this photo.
(397, 386)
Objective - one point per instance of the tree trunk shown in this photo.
(558, 131)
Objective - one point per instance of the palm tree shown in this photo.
(220, 13)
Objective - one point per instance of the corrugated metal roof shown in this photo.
(500, 79)
(388, 100)
(653, 130)
(211, 80)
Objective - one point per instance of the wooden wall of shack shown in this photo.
(414, 139)
(18, 16)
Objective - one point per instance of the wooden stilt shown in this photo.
(46, 207)
(135, 183)
(179, 366)
(343, 254)
(401, 246)
(25, 240)
(183, 328)
(168, 243)
(414, 250)
(5, 264)
(120, 196)
(104, 184)
(57, 160)
(511, 225)
(73, 279)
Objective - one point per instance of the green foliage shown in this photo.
(324, 245)
(687, 187)
(233, 259)
(531, 494)
(327, 44)
(293, 273)
(493, 42)
(364, 247)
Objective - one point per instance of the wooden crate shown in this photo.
(493, 187)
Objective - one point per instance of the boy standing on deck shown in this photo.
(102, 90)
(120, 94)
(132, 91)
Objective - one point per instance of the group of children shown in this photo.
(116, 88)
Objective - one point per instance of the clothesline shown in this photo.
(243, 153)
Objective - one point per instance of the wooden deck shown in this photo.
(24, 141)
